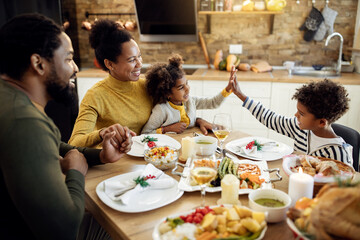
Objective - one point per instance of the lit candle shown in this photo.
(187, 148)
(300, 185)
(229, 190)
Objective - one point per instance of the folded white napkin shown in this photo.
(253, 152)
(271, 148)
(126, 189)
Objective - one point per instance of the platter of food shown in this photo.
(259, 148)
(332, 214)
(219, 222)
(322, 169)
(252, 174)
(146, 141)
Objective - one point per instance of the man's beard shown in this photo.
(57, 91)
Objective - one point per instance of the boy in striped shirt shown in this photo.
(319, 104)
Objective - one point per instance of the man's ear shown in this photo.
(37, 64)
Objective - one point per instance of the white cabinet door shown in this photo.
(352, 117)
(282, 103)
(84, 84)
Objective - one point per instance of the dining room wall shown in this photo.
(251, 30)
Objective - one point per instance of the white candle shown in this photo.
(187, 148)
(300, 185)
(229, 190)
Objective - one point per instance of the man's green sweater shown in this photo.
(37, 202)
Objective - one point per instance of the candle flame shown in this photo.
(300, 170)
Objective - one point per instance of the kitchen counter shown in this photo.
(215, 75)
(274, 76)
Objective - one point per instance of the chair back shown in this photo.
(352, 137)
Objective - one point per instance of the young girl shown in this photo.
(174, 110)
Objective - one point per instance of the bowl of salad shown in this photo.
(162, 157)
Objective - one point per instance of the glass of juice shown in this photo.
(221, 127)
(202, 176)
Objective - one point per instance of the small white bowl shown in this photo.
(205, 145)
(274, 214)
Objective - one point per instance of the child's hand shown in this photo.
(178, 127)
(232, 75)
(235, 85)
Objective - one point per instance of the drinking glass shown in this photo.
(221, 127)
(202, 176)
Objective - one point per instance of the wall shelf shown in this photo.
(209, 13)
(240, 12)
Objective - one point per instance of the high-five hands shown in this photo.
(235, 85)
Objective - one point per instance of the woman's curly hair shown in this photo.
(325, 99)
(161, 77)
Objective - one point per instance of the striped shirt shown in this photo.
(289, 127)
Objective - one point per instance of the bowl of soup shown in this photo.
(273, 201)
(205, 145)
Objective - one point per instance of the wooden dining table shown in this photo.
(139, 226)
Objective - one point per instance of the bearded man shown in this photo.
(42, 179)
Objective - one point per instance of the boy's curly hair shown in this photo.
(325, 99)
(161, 77)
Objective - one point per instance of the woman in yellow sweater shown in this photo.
(120, 98)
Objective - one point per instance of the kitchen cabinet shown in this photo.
(209, 13)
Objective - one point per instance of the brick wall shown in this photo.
(252, 31)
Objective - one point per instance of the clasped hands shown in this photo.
(117, 141)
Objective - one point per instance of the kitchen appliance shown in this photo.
(166, 20)
(49, 8)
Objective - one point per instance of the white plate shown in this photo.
(137, 149)
(156, 234)
(268, 154)
(144, 201)
(291, 161)
(184, 183)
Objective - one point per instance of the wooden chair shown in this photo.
(352, 137)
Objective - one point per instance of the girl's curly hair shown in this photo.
(161, 77)
(325, 99)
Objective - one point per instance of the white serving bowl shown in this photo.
(163, 162)
(274, 214)
(205, 145)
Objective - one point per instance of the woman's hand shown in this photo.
(203, 125)
(116, 143)
(178, 127)
(118, 138)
